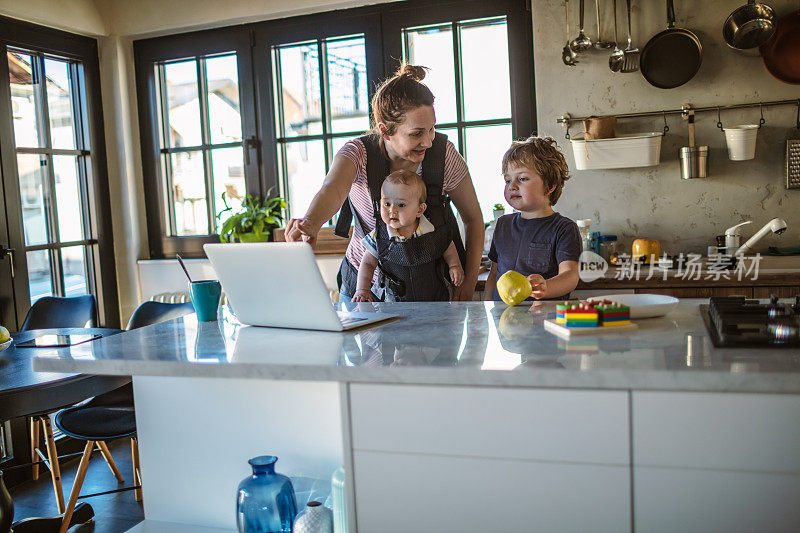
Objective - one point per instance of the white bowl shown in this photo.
(642, 305)
(4, 345)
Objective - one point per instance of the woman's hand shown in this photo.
(362, 295)
(456, 274)
(300, 229)
(539, 286)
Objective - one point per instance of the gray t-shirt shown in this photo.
(534, 245)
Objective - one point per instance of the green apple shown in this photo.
(4, 334)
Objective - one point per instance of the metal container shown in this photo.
(694, 162)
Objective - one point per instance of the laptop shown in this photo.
(279, 285)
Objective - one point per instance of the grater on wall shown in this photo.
(793, 164)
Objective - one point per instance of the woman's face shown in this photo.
(414, 136)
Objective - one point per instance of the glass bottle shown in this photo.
(265, 501)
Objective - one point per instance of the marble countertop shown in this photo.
(463, 343)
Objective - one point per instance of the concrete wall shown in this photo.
(654, 201)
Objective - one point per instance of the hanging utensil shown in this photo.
(694, 159)
(631, 53)
(600, 44)
(617, 58)
(671, 57)
(581, 43)
(567, 55)
(749, 26)
(781, 54)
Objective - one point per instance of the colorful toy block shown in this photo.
(614, 314)
(581, 316)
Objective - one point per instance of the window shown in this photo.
(54, 176)
(321, 102)
(304, 89)
(469, 74)
(51, 170)
(200, 127)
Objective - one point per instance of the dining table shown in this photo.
(24, 392)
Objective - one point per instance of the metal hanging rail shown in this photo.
(568, 119)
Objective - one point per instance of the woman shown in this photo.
(404, 120)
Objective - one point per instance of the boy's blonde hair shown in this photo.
(542, 155)
(406, 177)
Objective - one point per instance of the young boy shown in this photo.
(403, 196)
(536, 241)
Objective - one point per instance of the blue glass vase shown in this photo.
(265, 501)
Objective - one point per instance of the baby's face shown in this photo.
(400, 205)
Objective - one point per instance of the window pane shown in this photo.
(433, 48)
(189, 193)
(305, 167)
(183, 114)
(484, 70)
(39, 282)
(68, 198)
(452, 136)
(227, 165)
(31, 191)
(300, 90)
(73, 266)
(223, 99)
(59, 104)
(23, 99)
(347, 85)
(485, 148)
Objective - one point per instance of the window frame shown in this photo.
(91, 167)
(381, 25)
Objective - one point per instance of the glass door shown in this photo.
(47, 194)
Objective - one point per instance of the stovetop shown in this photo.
(735, 321)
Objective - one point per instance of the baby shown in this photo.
(403, 195)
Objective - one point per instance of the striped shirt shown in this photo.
(455, 169)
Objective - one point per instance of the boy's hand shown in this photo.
(538, 284)
(362, 295)
(456, 275)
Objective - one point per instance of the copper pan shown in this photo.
(781, 54)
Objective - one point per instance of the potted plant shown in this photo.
(255, 220)
(498, 210)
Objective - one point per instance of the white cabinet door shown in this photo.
(707, 501)
(758, 432)
(505, 423)
(408, 493)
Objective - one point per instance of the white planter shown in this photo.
(624, 151)
(741, 141)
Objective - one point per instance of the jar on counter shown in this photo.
(607, 245)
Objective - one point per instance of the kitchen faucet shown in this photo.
(776, 225)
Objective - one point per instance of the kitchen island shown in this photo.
(466, 417)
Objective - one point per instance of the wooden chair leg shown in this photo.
(52, 456)
(34, 445)
(76, 486)
(137, 475)
(101, 445)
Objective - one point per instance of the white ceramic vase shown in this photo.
(315, 518)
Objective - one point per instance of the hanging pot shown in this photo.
(672, 57)
(749, 26)
(781, 54)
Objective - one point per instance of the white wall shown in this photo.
(77, 16)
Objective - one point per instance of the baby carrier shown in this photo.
(412, 270)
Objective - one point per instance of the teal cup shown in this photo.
(205, 298)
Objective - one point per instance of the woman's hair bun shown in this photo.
(415, 72)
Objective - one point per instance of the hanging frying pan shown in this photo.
(781, 54)
(672, 57)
